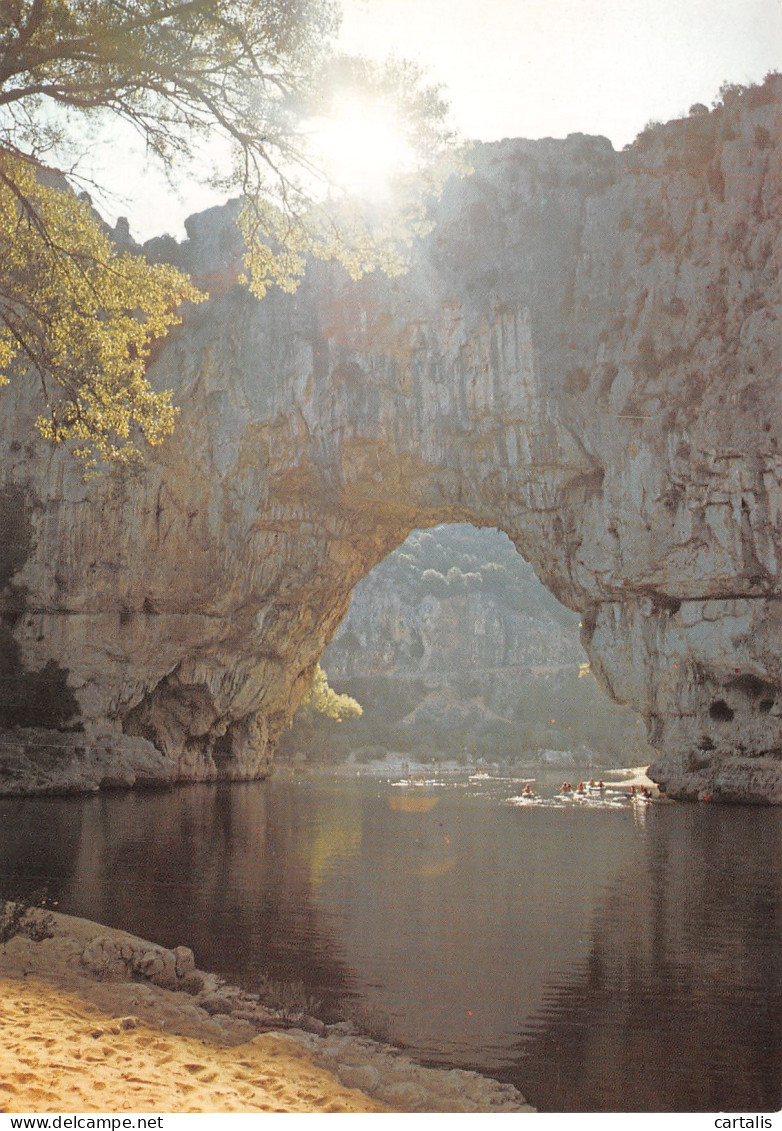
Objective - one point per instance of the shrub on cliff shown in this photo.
(326, 701)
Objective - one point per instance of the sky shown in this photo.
(542, 68)
(547, 68)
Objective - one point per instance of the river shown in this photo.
(604, 956)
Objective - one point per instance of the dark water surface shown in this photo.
(608, 957)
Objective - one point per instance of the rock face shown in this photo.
(585, 353)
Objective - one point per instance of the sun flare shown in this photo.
(361, 147)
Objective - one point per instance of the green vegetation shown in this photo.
(451, 561)
(83, 317)
(456, 650)
(199, 80)
(552, 710)
(326, 701)
(705, 130)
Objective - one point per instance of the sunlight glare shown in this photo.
(362, 148)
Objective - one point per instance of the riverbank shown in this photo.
(36, 762)
(95, 1019)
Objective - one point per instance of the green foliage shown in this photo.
(453, 560)
(193, 78)
(558, 710)
(326, 701)
(83, 317)
(181, 72)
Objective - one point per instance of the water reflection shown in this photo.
(470, 907)
(412, 804)
(213, 867)
(678, 1003)
(601, 959)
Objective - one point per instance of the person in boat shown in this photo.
(527, 792)
(581, 788)
(631, 791)
(600, 785)
(566, 787)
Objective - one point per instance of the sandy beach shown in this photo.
(86, 1029)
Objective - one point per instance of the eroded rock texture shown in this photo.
(585, 353)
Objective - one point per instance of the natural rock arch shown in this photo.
(585, 354)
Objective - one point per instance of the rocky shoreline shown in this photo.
(36, 763)
(141, 987)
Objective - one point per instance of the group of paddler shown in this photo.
(582, 787)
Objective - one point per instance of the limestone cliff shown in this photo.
(585, 353)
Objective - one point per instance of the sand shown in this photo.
(73, 1042)
(62, 1055)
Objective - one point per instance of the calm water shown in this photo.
(600, 958)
